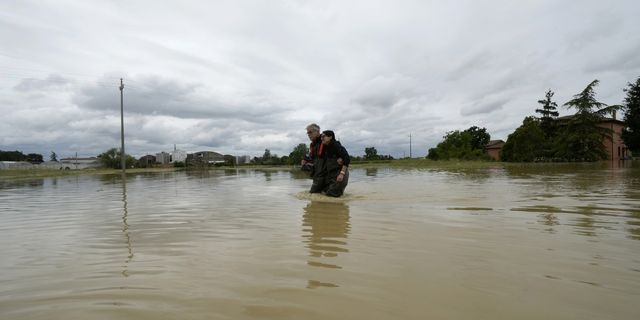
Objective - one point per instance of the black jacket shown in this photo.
(326, 164)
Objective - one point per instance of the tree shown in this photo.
(34, 158)
(53, 156)
(631, 132)
(479, 137)
(112, 159)
(549, 114)
(370, 153)
(229, 160)
(526, 143)
(266, 157)
(581, 139)
(298, 153)
(12, 156)
(463, 145)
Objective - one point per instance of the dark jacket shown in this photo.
(326, 164)
(312, 157)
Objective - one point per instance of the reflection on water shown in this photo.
(125, 226)
(402, 244)
(371, 172)
(326, 226)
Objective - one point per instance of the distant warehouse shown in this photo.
(79, 163)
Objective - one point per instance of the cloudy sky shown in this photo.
(240, 76)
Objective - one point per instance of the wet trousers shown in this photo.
(330, 186)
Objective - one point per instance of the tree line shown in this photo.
(548, 137)
(31, 157)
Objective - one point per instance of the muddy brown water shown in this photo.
(516, 242)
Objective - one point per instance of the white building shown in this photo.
(163, 158)
(15, 165)
(178, 156)
(243, 159)
(79, 163)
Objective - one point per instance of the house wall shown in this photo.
(616, 149)
(494, 153)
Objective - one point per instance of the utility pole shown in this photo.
(122, 154)
(410, 155)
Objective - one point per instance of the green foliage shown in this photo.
(112, 159)
(267, 155)
(479, 137)
(527, 143)
(229, 160)
(34, 158)
(581, 137)
(11, 156)
(548, 114)
(370, 153)
(19, 156)
(179, 164)
(462, 145)
(269, 159)
(298, 153)
(631, 132)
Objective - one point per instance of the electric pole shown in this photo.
(122, 154)
(410, 155)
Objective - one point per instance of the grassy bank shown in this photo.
(425, 163)
(416, 163)
(11, 174)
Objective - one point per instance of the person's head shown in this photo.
(313, 131)
(327, 136)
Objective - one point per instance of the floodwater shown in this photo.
(554, 241)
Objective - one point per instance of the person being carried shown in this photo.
(331, 166)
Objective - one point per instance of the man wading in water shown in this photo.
(315, 148)
(330, 165)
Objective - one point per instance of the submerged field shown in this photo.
(453, 241)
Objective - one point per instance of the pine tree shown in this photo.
(631, 106)
(581, 139)
(549, 114)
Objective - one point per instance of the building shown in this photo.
(494, 147)
(206, 157)
(616, 149)
(178, 156)
(163, 158)
(147, 161)
(79, 163)
(15, 165)
(243, 159)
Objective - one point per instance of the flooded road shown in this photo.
(517, 242)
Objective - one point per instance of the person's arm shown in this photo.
(308, 158)
(344, 155)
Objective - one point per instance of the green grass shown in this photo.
(13, 174)
(415, 163)
(424, 163)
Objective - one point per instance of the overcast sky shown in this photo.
(237, 77)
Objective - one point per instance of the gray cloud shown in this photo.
(156, 96)
(239, 77)
(51, 82)
(488, 106)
